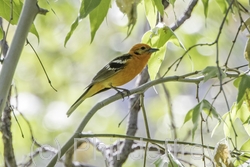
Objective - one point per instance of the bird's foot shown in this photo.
(123, 92)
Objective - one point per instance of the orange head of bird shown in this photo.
(142, 49)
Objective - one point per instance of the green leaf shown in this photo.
(188, 116)
(243, 113)
(97, 16)
(159, 6)
(242, 158)
(158, 37)
(218, 124)
(247, 52)
(155, 62)
(167, 160)
(247, 23)
(196, 118)
(223, 5)
(173, 161)
(1, 33)
(227, 124)
(161, 161)
(211, 72)
(195, 127)
(247, 121)
(210, 110)
(5, 12)
(246, 146)
(205, 4)
(72, 29)
(243, 86)
(33, 30)
(172, 2)
(194, 113)
(237, 82)
(151, 12)
(86, 7)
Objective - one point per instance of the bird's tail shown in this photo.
(78, 102)
(92, 89)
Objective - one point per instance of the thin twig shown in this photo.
(146, 126)
(233, 43)
(40, 61)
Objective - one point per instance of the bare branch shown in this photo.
(141, 89)
(132, 123)
(186, 15)
(9, 155)
(84, 135)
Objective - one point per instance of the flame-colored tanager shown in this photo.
(118, 72)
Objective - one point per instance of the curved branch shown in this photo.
(138, 90)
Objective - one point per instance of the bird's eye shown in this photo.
(142, 48)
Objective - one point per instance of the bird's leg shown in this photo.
(121, 93)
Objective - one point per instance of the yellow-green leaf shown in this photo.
(1, 33)
(5, 11)
(205, 4)
(247, 23)
(247, 52)
(72, 29)
(86, 7)
(158, 37)
(246, 146)
(243, 157)
(218, 124)
(172, 2)
(223, 5)
(194, 114)
(97, 16)
(236, 82)
(210, 110)
(151, 12)
(243, 86)
(159, 6)
(211, 72)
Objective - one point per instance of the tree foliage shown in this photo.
(200, 74)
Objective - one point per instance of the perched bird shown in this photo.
(118, 72)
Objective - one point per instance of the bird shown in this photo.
(117, 72)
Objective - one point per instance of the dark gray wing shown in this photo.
(112, 68)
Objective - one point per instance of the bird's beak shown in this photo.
(151, 50)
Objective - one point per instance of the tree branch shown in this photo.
(141, 89)
(186, 15)
(120, 158)
(28, 14)
(84, 135)
(9, 155)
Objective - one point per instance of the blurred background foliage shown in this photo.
(72, 67)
